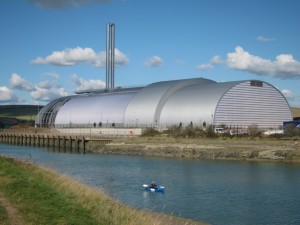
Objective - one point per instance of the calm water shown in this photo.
(216, 192)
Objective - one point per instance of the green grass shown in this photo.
(44, 197)
(42, 200)
(12, 115)
(18, 110)
(38, 200)
(3, 216)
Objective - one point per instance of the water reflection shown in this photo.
(217, 192)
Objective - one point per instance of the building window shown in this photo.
(256, 83)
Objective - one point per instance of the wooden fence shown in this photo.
(60, 142)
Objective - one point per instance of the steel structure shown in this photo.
(110, 56)
(167, 103)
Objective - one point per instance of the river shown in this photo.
(216, 192)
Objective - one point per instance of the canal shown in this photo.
(216, 192)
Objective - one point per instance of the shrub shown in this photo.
(150, 132)
(210, 133)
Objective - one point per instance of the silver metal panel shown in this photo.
(238, 103)
(195, 103)
(244, 105)
(105, 108)
(110, 56)
(145, 108)
(107, 55)
(48, 113)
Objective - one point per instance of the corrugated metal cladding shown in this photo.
(250, 103)
(167, 103)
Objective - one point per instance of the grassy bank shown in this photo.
(32, 195)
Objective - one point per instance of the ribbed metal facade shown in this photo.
(252, 103)
(168, 103)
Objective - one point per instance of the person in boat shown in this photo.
(153, 185)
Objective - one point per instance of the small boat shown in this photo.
(156, 189)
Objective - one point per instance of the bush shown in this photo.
(210, 133)
(291, 130)
(189, 131)
(150, 132)
(253, 130)
(276, 136)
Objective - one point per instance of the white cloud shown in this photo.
(154, 61)
(83, 85)
(45, 90)
(289, 95)
(61, 4)
(48, 94)
(46, 84)
(18, 82)
(75, 56)
(7, 95)
(284, 67)
(48, 89)
(68, 57)
(51, 81)
(52, 75)
(205, 66)
(264, 39)
(214, 61)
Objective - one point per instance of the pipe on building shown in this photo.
(110, 56)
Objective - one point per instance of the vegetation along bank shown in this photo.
(33, 195)
(285, 150)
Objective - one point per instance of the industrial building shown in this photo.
(167, 103)
(196, 101)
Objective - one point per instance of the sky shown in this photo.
(53, 48)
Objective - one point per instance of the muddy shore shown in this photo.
(230, 149)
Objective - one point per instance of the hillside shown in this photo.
(295, 112)
(11, 115)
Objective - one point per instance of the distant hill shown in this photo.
(11, 115)
(295, 112)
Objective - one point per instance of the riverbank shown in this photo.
(256, 149)
(30, 194)
(219, 147)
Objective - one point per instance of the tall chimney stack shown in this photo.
(110, 56)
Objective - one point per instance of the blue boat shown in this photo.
(156, 189)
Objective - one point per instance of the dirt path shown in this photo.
(13, 215)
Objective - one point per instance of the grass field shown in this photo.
(19, 110)
(32, 195)
(11, 115)
(295, 112)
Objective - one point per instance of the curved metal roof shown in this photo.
(194, 103)
(251, 103)
(146, 106)
(167, 103)
(105, 108)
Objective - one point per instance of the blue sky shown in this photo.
(52, 48)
